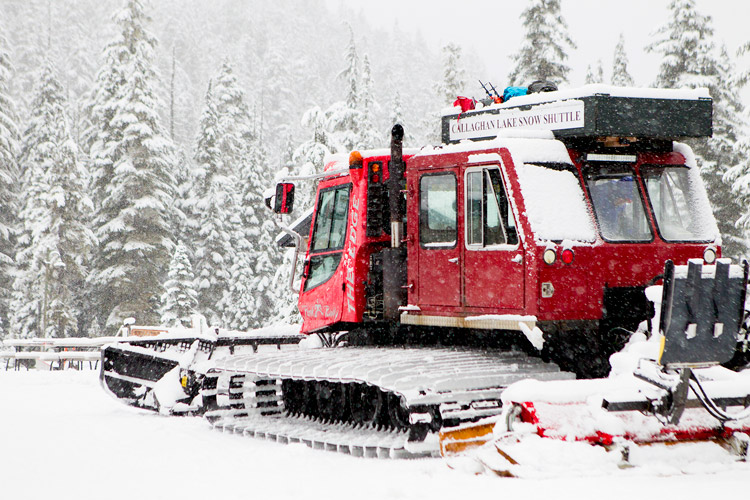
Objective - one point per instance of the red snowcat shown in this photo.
(520, 248)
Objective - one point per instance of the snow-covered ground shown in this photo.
(62, 437)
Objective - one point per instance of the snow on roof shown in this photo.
(538, 142)
(335, 162)
(537, 151)
(597, 89)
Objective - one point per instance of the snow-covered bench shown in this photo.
(23, 358)
(73, 358)
(7, 356)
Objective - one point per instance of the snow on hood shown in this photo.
(555, 204)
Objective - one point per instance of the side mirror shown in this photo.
(284, 199)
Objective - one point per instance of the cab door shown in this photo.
(439, 268)
(493, 273)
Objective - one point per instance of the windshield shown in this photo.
(670, 194)
(617, 203)
(330, 224)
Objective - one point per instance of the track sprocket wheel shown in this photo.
(366, 403)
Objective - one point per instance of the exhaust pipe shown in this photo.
(394, 258)
(395, 185)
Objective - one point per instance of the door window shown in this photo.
(437, 211)
(489, 219)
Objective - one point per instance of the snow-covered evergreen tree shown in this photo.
(255, 257)
(259, 252)
(134, 183)
(595, 74)
(690, 59)
(308, 159)
(739, 176)
(234, 117)
(453, 82)
(213, 202)
(620, 75)
(240, 302)
(277, 97)
(285, 305)
(732, 140)
(310, 156)
(56, 243)
(743, 76)
(545, 45)
(344, 118)
(397, 116)
(70, 209)
(684, 43)
(180, 299)
(370, 136)
(9, 151)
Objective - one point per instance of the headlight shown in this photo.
(709, 255)
(549, 256)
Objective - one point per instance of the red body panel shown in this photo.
(341, 298)
(458, 281)
(501, 289)
(493, 283)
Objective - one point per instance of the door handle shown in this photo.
(454, 260)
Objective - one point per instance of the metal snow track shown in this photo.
(459, 384)
(356, 441)
(421, 376)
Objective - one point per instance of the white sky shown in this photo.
(493, 29)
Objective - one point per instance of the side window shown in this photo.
(329, 235)
(503, 203)
(489, 219)
(437, 211)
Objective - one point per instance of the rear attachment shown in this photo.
(681, 396)
(165, 373)
(135, 372)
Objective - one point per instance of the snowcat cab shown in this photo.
(549, 213)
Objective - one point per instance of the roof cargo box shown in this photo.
(590, 111)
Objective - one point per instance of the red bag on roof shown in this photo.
(466, 103)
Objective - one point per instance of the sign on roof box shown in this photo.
(557, 116)
(596, 115)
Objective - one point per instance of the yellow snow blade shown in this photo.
(455, 441)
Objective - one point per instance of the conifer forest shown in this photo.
(137, 139)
